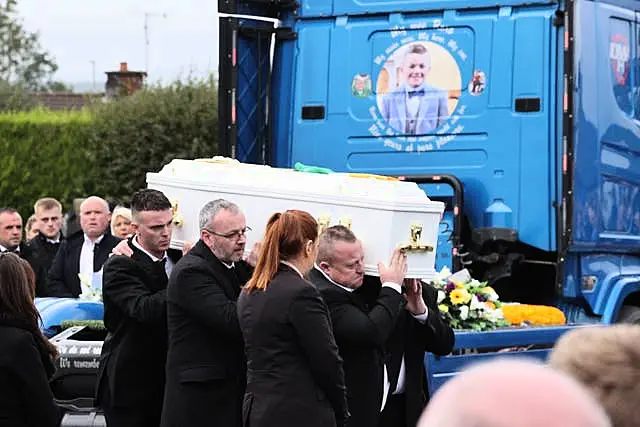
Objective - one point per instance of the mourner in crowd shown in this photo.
(121, 222)
(510, 393)
(132, 366)
(606, 360)
(31, 228)
(84, 253)
(26, 356)
(295, 375)
(45, 245)
(11, 241)
(205, 364)
(382, 332)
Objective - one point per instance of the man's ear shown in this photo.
(134, 227)
(324, 266)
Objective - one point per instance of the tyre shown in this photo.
(629, 314)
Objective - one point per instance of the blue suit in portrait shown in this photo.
(432, 111)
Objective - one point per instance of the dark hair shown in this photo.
(418, 48)
(333, 234)
(285, 238)
(149, 200)
(17, 291)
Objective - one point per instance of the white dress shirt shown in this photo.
(168, 266)
(86, 257)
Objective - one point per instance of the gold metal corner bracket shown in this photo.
(323, 223)
(345, 221)
(176, 218)
(414, 244)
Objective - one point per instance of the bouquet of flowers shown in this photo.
(467, 303)
(89, 292)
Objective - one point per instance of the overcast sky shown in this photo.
(77, 32)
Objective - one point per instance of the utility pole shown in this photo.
(148, 15)
(93, 74)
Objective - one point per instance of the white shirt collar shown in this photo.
(229, 266)
(98, 240)
(3, 249)
(331, 280)
(288, 264)
(135, 243)
(56, 240)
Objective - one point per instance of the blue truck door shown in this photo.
(606, 138)
(492, 101)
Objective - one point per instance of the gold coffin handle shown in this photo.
(323, 223)
(176, 218)
(414, 244)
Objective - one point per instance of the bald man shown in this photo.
(84, 252)
(510, 393)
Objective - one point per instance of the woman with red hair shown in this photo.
(294, 373)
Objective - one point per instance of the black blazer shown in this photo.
(135, 316)
(205, 363)
(412, 339)
(63, 278)
(41, 255)
(27, 400)
(295, 375)
(361, 331)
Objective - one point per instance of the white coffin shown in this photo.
(383, 213)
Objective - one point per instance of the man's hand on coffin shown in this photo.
(395, 272)
(413, 295)
(252, 258)
(122, 248)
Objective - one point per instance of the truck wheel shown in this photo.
(629, 314)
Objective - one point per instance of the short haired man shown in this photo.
(45, 245)
(513, 393)
(83, 253)
(416, 107)
(382, 340)
(206, 365)
(11, 241)
(132, 367)
(606, 360)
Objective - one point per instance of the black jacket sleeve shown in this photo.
(310, 318)
(33, 386)
(201, 295)
(127, 291)
(439, 337)
(357, 327)
(56, 286)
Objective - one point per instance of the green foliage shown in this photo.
(139, 134)
(44, 153)
(22, 59)
(91, 324)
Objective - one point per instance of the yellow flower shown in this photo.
(458, 284)
(459, 296)
(443, 308)
(534, 314)
(488, 290)
(490, 305)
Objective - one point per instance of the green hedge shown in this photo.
(141, 133)
(44, 153)
(108, 148)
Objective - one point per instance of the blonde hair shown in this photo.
(46, 204)
(119, 211)
(606, 359)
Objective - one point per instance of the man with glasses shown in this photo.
(206, 365)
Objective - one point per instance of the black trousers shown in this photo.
(394, 413)
(139, 415)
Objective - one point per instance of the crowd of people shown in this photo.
(294, 334)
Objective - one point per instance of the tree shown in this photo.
(22, 60)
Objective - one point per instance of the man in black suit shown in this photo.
(382, 332)
(360, 329)
(11, 241)
(84, 253)
(132, 366)
(206, 365)
(44, 246)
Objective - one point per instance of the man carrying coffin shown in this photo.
(206, 365)
(132, 367)
(382, 339)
